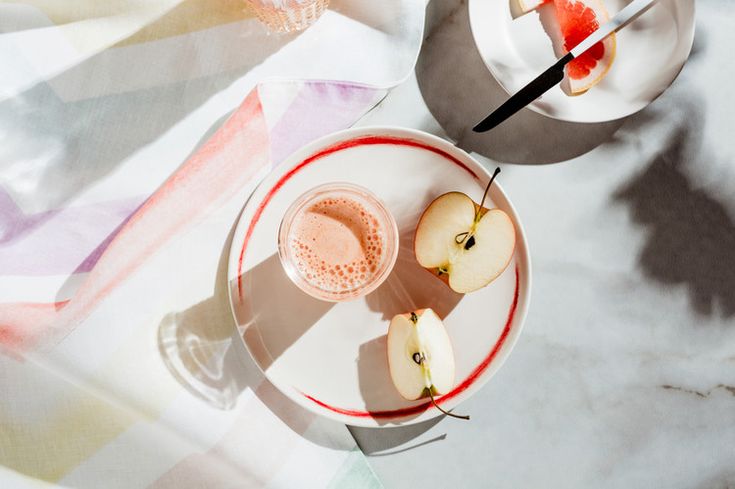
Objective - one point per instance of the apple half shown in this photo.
(420, 356)
(463, 243)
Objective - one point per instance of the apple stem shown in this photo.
(448, 413)
(419, 358)
(487, 189)
(461, 237)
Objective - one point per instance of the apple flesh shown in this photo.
(420, 356)
(466, 245)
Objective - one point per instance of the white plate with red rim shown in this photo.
(331, 357)
(650, 53)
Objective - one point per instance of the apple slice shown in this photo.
(462, 242)
(420, 356)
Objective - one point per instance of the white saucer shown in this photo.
(331, 358)
(649, 55)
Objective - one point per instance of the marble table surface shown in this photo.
(625, 373)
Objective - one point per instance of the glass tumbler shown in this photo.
(367, 204)
(287, 15)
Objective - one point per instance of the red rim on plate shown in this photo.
(350, 414)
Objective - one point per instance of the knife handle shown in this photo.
(526, 95)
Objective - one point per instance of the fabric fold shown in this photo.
(134, 136)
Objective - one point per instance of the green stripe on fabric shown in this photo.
(355, 473)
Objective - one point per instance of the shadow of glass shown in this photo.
(199, 346)
(410, 286)
(202, 348)
(459, 102)
(274, 312)
(196, 347)
(203, 351)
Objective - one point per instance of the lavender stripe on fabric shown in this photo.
(60, 241)
(320, 108)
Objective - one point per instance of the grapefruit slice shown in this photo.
(577, 20)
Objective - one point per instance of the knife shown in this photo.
(555, 73)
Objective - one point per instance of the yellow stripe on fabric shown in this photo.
(88, 418)
(61, 13)
(93, 25)
(137, 21)
(191, 16)
(51, 448)
(14, 480)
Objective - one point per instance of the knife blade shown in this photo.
(555, 74)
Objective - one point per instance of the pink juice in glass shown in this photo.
(338, 242)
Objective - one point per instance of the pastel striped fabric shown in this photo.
(132, 133)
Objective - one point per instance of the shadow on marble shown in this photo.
(691, 237)
(459, 91)
(412, 447)
(376, 441)
(690, 233)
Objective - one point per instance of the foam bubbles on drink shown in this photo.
(337, 244)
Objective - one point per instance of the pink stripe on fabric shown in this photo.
(221, 167)
(318, 109)
(58, 242)
(34, 318)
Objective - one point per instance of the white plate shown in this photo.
(650, 53)
(331, 358)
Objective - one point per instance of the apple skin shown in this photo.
(478, 214)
